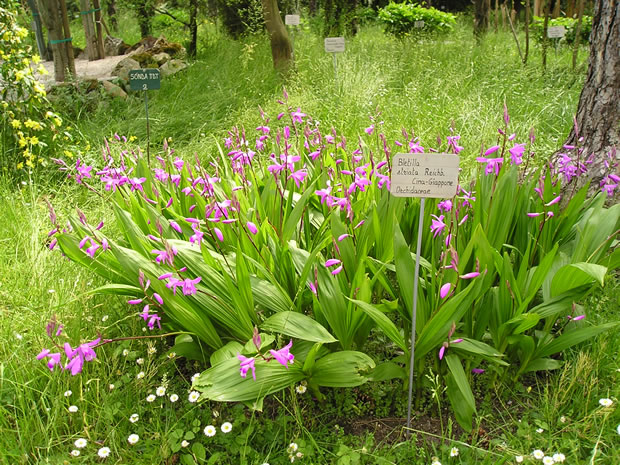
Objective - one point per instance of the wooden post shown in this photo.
(537, 7)
(68, 44)
(556, 9)
(527, 30)
(38, 30)
(51, 17)
(99, 28)
(545, 43)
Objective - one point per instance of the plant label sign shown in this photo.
(556, 32)
(291, 20)
(418, 24)
(334, 44)
(431, 175)
(144, 79)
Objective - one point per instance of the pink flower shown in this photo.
(247, 364)
(219, 234)
(445, 205)
(473, 274)
(337, 270)
(283, 355)
(252, 227)
(437, 225)
(332, 262)
(189, 285)
(444, 290)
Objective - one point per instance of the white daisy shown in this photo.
(562, 419)
(151, 350)
(140, 375)
(558, 458)
(293, 447)
(606, 402)
(301, 389)
(105, 318)
(171, 355)
(195, 377)
(435, 462)
(111, 387)
(184, 443)
(18, 336)
(160, 391)
(454, 452)
(73, 408)
(548, 460)
(539, 430)
(193, 396)
(210, 430)
(174, 398)
(151, 398)
(519, 458)
(133, 439)
(68, 393)
(75, 453)
(134, 418)
(125, 352)
(140, 361)
(80, 443)
(226, 427)
(103, 452)
(538, 454)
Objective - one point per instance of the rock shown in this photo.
(172, 67)
(161, 58)
(114, 90)
(114, 46)
(124, 66)
(136, 51)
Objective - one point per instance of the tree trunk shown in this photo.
(527, 30)
(481, 17)
(51, 17)
(281, 49)
(144, 18)
(193, 28)
(111, 10)
(598, 112)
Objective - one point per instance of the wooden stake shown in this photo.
(527, 30)
(98, 23)
(514, 34)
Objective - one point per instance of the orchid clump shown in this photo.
(289, 231)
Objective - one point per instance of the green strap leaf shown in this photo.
(299, 326)
(383, 322)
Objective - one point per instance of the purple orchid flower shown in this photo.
(283, 355)
(247, 364)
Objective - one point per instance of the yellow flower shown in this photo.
(29, 163)
(19, 76)
(58, 121)
(6, 36)
(42, 70)
(16, 123)
(68, 154)
(22, 142)
(87, 148)
(38, 88)
(20, 165)
(36, 59)
(22, 32)
(34, 140)
(132, 138)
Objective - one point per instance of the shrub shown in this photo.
(400, 18)
(570, 24)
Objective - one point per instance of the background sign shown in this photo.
(556, 32)
(291, 20)
(433, 175)
(334, 44)
(144, 79)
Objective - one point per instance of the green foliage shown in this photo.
(399, 19)
(30, 129)
(570, 24)
(241, 17)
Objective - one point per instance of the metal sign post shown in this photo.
(424, 175)
(145, 79)
(334, 45)
(292, 20)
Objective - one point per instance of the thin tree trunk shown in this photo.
(527, 31)
(481, 22)
(68, 44)
(51, 17)
(578, 33)
(281, 49)
(556, 9)
(111, 10)
(89, 30)
(99, 29)
(545, 42)
(193, 28)
(144, 19)
(537, 4)
(598, 112)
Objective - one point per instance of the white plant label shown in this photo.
(418, 24)
(431, 175)
(291, 20)
(334, 44)
(556, 32)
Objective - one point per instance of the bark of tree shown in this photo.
(281, 49)
(62, 51)
(598, 111)
(481, 17)
(193, 28)
(144, 18)
(111, 10)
